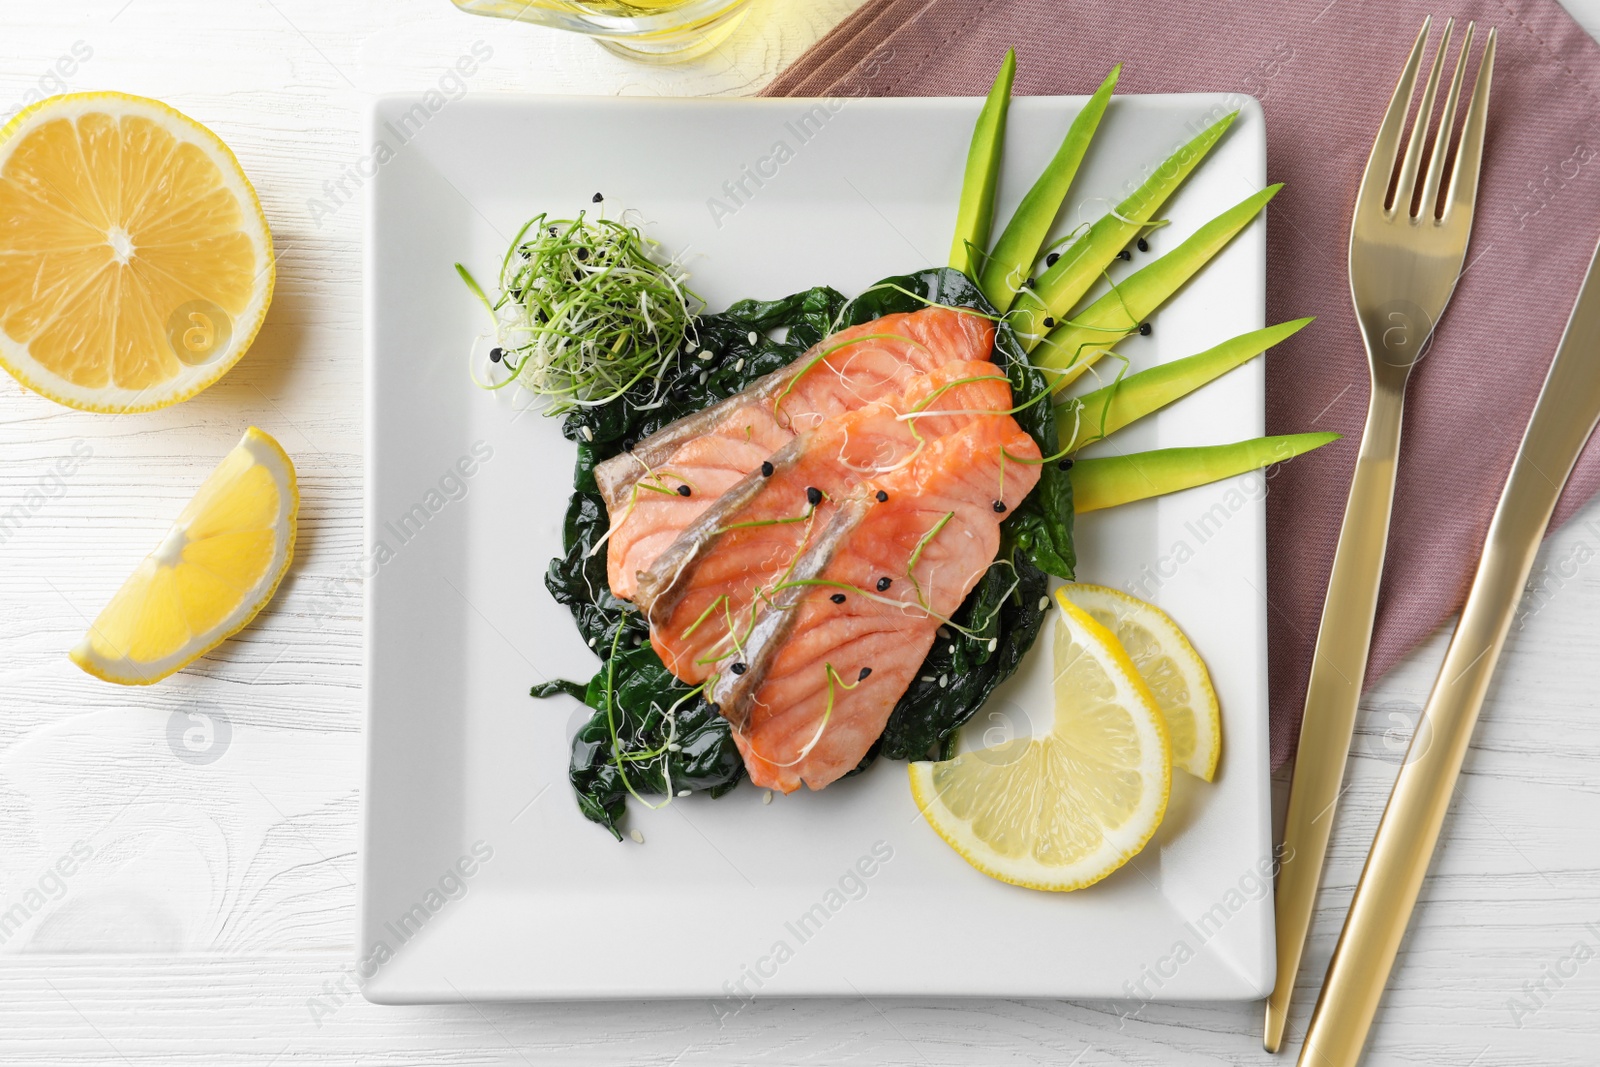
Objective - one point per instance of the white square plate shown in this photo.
(479, 877)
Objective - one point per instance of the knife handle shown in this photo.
(1416, 810)
(1333, 693)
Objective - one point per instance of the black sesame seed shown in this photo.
(1065, 465)
(1049, 322)
(684, 490)
(1050, 260)
(813, 495)
(863, 675)
(583, 253)
(999, 506)
(1028, 284)
(1144, 329)
(766, 469)
(737, 668)
(597, 198)
(495, 354)
(1124, 254)
(552, 231)
(883, 583)
(837, 598)
(1144, 246)
(882, 496)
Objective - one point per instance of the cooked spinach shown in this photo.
(639, 707)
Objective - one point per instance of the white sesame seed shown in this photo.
(638, 838)
(944, 681)
(751, 337)
(591, 642)
(994, 643)
(926, 678)
(766, 798)
(1044, 603)
(703, 354)
(944, 633)
(588, 434)
(952, 650)
(684, 792)
(739, 366)
(703, 376)
(674, 747)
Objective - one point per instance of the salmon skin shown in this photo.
(702, 594)
(707, 453)
(819, 677)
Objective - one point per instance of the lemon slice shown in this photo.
(218, 565)
(1171, 668)
(1064, 810)
(135, 263)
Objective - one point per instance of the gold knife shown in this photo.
(1563, 419)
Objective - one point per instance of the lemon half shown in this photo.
(1169, 665)
(135, 263)
(217, 567)
(1064, 810)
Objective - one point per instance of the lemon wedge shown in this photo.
(1064, 810)
(217, 567)
(135, 263)
(1171, 668)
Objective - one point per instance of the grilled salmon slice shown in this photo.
(701, 596)
(710, 451)
(818, 678)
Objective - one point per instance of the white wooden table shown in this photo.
(209, 914)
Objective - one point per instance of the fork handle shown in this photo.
(1337, 668)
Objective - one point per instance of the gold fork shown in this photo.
(1406, 252)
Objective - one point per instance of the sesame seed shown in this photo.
(813, 495)
(1065, 465)
(865, 671)
(638, 838)
(883, 583)
(597, 198)
(1049, 322)
(1144, 329)
(1050, 260)
(952, 650)
(684, 792)
(684, 490)
(704, 353)
(1144, 246)
(673, 746)
(703, 377)
(752, 337)
(837, 598)
(766, 469)
(944, 633)
(738, 668)
(1000, 506)
(591, 642)
(583, 254)
(766, 798)
(496, 354)
(739, 366)
(944, 681)
(1124, 255)
(882, 496)
(1044, 603)
(926, 678)
(994, 643)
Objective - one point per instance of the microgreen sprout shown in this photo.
(586, 311)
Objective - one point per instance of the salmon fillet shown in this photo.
(708, 452)
(701, 595)
(933, 539)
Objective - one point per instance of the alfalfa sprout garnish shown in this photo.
(586, 310)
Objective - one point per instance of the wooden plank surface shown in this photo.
(209, 824)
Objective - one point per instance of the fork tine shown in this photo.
(1447, 122)
(1406, 186)
(1380, 164)
(1469, 157)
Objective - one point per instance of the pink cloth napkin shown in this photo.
(1323, 70)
